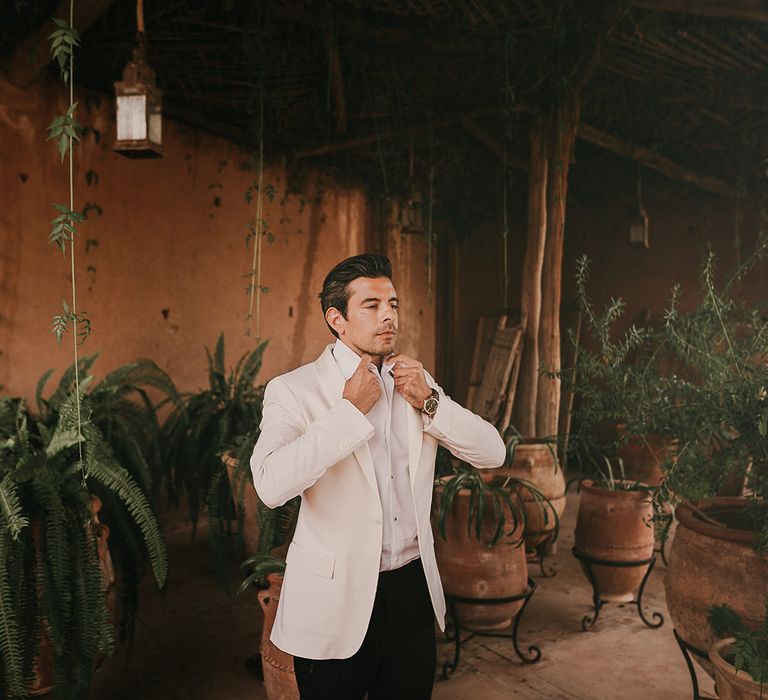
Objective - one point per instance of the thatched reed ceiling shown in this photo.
(690, 87)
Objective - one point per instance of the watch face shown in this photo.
(430, 406)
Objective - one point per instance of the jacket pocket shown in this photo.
(311, 561)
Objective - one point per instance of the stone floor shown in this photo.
(192, 642)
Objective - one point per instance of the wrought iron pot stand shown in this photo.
(588, 622)
(454, 630)
(687, 649)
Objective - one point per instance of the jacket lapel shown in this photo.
(332, 382)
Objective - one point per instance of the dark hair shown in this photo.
(336, 285)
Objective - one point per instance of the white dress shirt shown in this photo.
(389, 451)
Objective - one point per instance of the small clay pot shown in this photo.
(279, 676)
(470, 569)
(732, 684)
(643, 455)
(615, 526)
(536, 463)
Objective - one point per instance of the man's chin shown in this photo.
(383, 347)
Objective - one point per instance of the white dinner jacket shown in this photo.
(313, 443)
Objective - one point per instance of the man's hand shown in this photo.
(409, 380)
(362, 389)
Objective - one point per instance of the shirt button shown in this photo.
(391, 476)
(395, 518)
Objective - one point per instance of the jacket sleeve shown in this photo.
(291, 453)
(465, 434)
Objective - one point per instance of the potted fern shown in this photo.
(52, 581)
(204, 427)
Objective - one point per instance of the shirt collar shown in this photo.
(348, 360)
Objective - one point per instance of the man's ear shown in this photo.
(335, 320)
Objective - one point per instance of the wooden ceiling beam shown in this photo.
(750, 10)
(487, 139)
(654, 161)
(390, 135)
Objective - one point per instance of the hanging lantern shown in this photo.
(412, 208)
(638, 225)
(412, 213)
(139, 104)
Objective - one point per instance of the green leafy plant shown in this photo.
(51, 463)
(750, 650)
(720, 385)
(495, 501)
(617, 381)
(201, 428)
(275, 534)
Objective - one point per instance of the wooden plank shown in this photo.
(486, 330)
(509, 401)
(497, 371)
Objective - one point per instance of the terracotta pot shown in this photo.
(43, 679)
(471, 569)
(615, 526)
(643, 455)
(710, 565)
(537, 464)
(732, 684)
(279, 677)
(251, 527)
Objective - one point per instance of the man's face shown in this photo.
(371, 322)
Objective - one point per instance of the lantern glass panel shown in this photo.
(155, 121)
(131, 117)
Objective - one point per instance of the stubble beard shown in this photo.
(382, 347)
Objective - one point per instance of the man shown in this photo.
(355, 434)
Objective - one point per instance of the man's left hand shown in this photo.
(409, 379)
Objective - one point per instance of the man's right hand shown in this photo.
(362, 390)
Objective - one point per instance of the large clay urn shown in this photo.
(711, 565)
(279, 676)
(240, 482)
(471, 569)
(537, 464)
(615, 526)
(732, 684)
(643, 455)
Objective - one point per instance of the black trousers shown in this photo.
(397, 658)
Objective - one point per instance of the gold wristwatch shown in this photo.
(431, 403)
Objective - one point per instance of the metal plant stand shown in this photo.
(688, 649)
(665, 524)
(539, 554)
(453, 632)
(588, 622)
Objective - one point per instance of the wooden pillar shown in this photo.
(530, 297)
(564, 119)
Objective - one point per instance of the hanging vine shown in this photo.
(64, 130)
(430, 234)
(258, 230)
